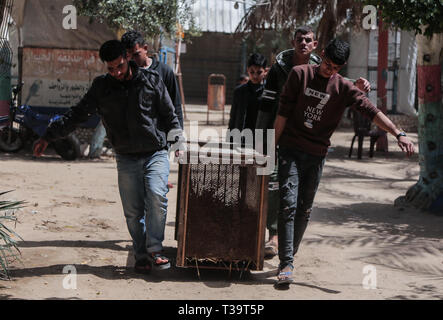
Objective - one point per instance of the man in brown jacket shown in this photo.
(312, 103)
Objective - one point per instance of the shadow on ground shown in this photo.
(49, 156)
(405, 239)
(209, 277)
(383, 219)
(394, 154)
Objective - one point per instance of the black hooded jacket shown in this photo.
(275, 80)
(168, 77)
(137, 114)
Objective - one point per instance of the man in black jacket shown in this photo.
(246, 96)
(139, 119)
(138, 50)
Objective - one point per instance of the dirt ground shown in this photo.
(358, 245)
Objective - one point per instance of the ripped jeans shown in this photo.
(299, 175)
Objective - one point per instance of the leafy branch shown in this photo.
(151, 17)
(412, 15)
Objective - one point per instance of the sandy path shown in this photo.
(74, 217)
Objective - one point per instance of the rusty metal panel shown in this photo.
(182, 203)
(216, 92)
(222, 216)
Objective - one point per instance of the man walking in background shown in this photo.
(245, 103)
(137, 49)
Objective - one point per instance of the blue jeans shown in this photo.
(143, 185)
(299, 175)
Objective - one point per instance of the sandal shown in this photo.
(270, 249)
(160, 261)
(284, 277)
(143, 266)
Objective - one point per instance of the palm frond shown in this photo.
(9, 250)
(286, 15)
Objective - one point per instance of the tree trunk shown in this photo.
(328, 25)
(427, 193)
(156, 44)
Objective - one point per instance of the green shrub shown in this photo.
(8, 246)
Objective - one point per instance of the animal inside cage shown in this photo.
(221, 212)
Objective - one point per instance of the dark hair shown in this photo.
(303, 30)
(111, 50)
(257, 59)
(131, 38)
(338, 51)
(243, 77)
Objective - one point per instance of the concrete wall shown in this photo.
(358, 60)
(58, 77)
(361, 56)
(407, 74)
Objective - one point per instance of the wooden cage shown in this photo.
(221, 211)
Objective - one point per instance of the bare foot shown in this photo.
(285, 275)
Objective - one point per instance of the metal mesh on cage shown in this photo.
(223, 212)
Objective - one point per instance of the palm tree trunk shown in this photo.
(328, 25)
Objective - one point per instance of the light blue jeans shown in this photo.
(97, 140)
(143, 185)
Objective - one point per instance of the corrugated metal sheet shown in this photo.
(218, 15)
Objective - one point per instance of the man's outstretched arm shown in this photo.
(386, 124)
(69, 121)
